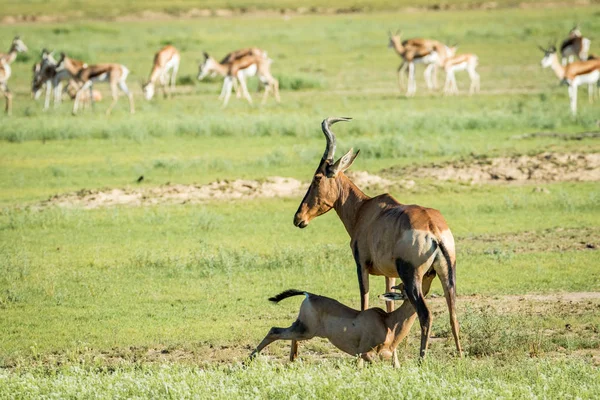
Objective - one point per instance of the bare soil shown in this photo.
(545, 167)
(177, 194)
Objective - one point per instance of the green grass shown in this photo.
(137, 301)
(434, 379)
(111, 8)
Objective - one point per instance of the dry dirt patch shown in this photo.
(545, 167)
(178, 194)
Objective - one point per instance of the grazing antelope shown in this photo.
(166, 60)
(575, 45)
(239, 66)
(573, 74)
(419, 51)
(370, 334)
(86, 75)
(17, 46)
(387, 238)
(461, 62)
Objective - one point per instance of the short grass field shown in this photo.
(168, 300)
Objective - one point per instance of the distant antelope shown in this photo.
(387, 238)
(166, 60)
(419, 51)
(370, 334)
(17, 46)
(239, 66)
(114, 74)
(574, 74)
(575, 45)
(45, 73)
(461, 62)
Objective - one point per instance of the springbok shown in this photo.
(419, 51)
(17, 46)
(574, 74)
(86, 75)
(461, 62)
(239, 66)
(575, 45)
(45, 73)
(165, 60)
(370, 334)
(387, 238)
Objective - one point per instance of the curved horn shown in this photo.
(541, 48)
(330, 136)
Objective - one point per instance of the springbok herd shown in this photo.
(388, 239)
(239, 65)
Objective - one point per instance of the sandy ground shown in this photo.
(546, 167)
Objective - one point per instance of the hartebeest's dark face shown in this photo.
(324, 189)
(320, 197)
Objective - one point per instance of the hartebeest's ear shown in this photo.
(342, 164)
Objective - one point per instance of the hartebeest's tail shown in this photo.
(451, 267)
(285, 294)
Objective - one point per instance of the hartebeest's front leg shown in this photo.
(363, 279)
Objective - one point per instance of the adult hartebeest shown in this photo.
(387, 238)
(369, 334)
(574, 74)
(17, 46)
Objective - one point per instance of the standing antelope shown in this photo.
(166, 60)
(86, 75)
(17, 46)
(369, 334)
(461, 62)
(573, 74)
(387, 238)
(575, 45)
(239, 66)
(419, 51)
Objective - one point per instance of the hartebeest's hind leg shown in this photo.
(413, 282)
(295, 332)
(446, 273)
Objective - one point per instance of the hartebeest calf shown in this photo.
(574, 74)
(17, 46)
(165, 60)
(387, 238)
(370, 334)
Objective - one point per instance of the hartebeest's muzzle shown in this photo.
(299, 222)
